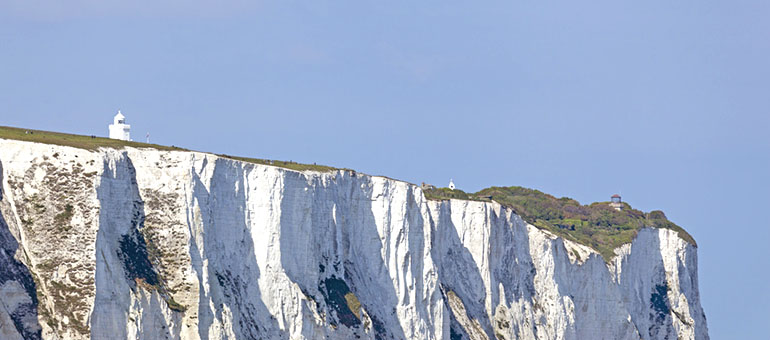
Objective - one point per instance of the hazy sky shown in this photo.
(666, 102)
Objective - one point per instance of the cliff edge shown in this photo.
(143, 243)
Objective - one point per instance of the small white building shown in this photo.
(119, 129)
(451, 185)
(615, 202)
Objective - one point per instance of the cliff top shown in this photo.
(75, 141)
(94, 143)
(596, 225)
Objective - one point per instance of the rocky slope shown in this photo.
(148, 244)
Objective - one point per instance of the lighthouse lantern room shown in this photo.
(119, 129)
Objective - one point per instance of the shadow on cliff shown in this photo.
(601, 305)
(599, 311)
(120, 242)
(688, 283)
(229, 248)
(655, 321)
(510, 259)
(24, 315)
(458, 273)
(330, 247)
(510, 262)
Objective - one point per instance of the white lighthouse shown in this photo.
(119, 129)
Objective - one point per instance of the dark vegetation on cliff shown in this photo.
(596, 225)
(337, 294)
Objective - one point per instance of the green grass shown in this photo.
(94, 143)
(75, 141)
(284, 164)
(175, 306)
(596, 225)
(446, 193)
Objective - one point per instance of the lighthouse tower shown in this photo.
(119, 129)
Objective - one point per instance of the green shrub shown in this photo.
(445, 194)
(596, 225)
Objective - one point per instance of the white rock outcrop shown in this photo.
(148, 244)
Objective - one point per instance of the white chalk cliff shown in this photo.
(147, 244)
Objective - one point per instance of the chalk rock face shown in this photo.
(148, 244)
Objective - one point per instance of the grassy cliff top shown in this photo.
(94, 143)
(284, 164)
(75, 141)
(596, 225)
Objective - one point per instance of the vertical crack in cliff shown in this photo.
(332, 220)
(140, 255)
(459, 275)
(122, 243)
(228, 248)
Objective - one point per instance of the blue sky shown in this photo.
(665, 102)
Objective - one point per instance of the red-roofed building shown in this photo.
(615, 202)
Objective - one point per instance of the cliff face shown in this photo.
(147, 244)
